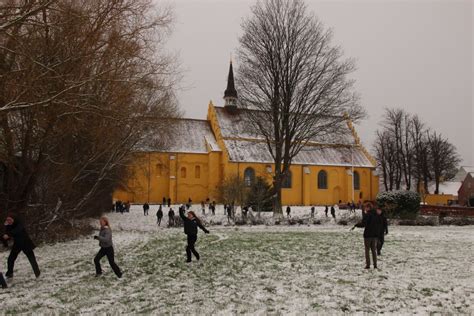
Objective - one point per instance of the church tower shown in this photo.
(230, 94)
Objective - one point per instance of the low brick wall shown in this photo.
(451, 211)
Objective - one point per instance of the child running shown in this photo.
(106, 248)
(191, 222)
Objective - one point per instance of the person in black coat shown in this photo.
(146, 207)
(373, 225)
(191, 224)
(170, 218)
(159, 215)
(312, 211)
(326, 209)
(288, 211)
(169, 202)
(333, 212)
(21, 242)
(383, 232)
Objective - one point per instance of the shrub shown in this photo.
(260, 196)
(399, 204)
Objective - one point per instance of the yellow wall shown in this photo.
(157, 175)
(439, 199)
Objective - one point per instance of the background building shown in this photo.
(202, 153)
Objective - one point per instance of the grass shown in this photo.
(244, 271)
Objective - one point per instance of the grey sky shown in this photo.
(416, 55)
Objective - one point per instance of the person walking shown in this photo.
(333, 212)
(326, 209)
(373, 224)
(312, 211)
(191, 222)
(164, 201)
(169, 202)
(146, 207)
(170, 218)
(21, 242)
(106, 248)
(159, 216)
(383, 231)
(213, 208)
(288, 211)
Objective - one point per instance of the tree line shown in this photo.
(410, 155)
(81, 82)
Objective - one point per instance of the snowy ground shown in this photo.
(264, 269)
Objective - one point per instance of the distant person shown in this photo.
(245, 210)
(159, 215)
(213, 207)
(326, 209)
(3, 283)
(146, 207)
(228, 210)
(169, 202)
(106, 248)
(333, 212)
(171, 218)
(164, 201)
(21, 243)
(383, 231)
(191, 222)
(288, 211)
(312, 211)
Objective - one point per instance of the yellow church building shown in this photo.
(202, 153)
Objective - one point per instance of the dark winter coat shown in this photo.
(191, 225)
(20, 237)
(171, 213)
(373, 224)
(159, 213)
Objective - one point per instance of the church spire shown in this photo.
(230, 94)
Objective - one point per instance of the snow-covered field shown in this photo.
(263, 269)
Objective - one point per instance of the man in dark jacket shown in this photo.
(170, 218)
(21, 242)
(288, 211)
(191, 223)
(373, 224)
(146, 207)
(383, 232)
(159, 216)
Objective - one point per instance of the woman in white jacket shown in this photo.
(106, 248)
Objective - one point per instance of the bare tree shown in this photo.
(293, 81)
(82, 82)
(445, 159)
(406, 150)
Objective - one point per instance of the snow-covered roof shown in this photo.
(462, 173)
(187, 136)
(252, 151)
(447, 187)
(236, 125)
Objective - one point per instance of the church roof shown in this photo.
(324, 155)
(235, 125)
(230, 91)
(188, 136)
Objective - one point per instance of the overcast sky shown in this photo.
(416, 55)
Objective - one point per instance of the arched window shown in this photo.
(286, 184)
(249, 176)
(197, 172)
(322, 179)
(183, 172)
(159, 169)
(356, 181)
